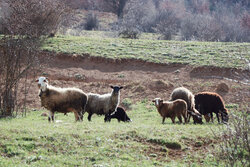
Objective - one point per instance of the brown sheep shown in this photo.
(188, 97)
(172, 109)
(61, 100)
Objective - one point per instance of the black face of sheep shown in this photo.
(116, 89)
(224, 116)
(197, 118)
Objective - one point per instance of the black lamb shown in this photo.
(119, 114)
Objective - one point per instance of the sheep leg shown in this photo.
(89, 117)
(207, 117)
(223, 116)
(82, 113)
(80, 116)
(180, 119)
(51, 116)
(163, 120)
(212, 118)
(76, 116)
(76, 113)
(108, 117)
(185, 118)
(218, 118)
(173, 120)
(188, 115)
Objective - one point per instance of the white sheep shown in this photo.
(103, 104)
(188, 97)
(61, 100)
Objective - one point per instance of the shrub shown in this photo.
(92, 22)
(234, 148)
(167, 24)
(129, 32)
(233, 30)
(201, 27)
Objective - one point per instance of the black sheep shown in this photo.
(209, 102)
(119, 114)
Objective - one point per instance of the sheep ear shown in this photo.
(37, 80)
(112, 87)
(153, 100)
(121, 87)
(161, 100)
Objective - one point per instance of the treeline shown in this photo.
(203, 20)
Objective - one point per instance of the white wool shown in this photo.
(107, 101)
(63, 90)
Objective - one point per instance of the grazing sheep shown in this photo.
(188, 97)
(61, 100)
(119, 114)
(176, 108)
(209, 102)
(103, 104)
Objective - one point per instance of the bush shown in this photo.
(202, 28)
(92, 22)
(234, 148)
(167, 24)
(129, 32)
(233, 29)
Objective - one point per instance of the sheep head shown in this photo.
(224, 115)
(42, 83)
(116, 89)
(196, 116)
(158, 102)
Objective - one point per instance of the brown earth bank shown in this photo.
(141, 80)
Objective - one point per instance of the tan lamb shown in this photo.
(171, 109)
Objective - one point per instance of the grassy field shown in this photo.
(160, 51)
(32, 141)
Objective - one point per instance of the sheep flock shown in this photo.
(181, 104)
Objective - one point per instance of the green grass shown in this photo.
(32, 141)
(160, 51)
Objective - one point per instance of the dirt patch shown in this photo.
(159, 85)
(237, 75)
(222, 87)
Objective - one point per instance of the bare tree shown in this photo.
(167, 24)
(201, 27)
(114, 6)
(26, 23)
(137, 16)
